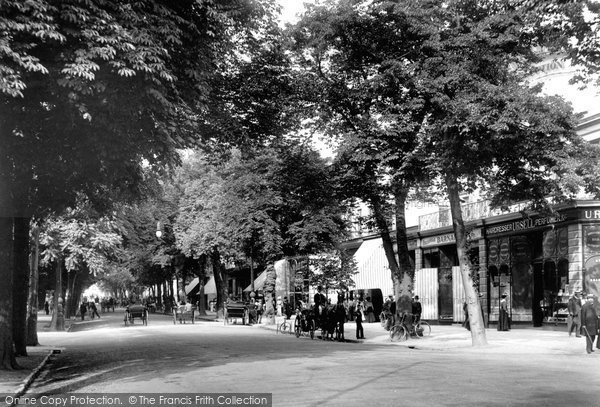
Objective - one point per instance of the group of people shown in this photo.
(89, 306)
(584, 319)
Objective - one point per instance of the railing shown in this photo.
(470, 211)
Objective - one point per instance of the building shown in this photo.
(538, 261)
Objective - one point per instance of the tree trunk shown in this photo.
(269, 291)
(478, 336)
(32, 303)
(57, 322)
(20, 284)
(201, 278)
(215, 258)
(403, 287)
(7, 355)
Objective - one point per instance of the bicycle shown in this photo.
(400, 331)
(285, 327)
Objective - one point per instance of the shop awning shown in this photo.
(259, 282)
(194, 286)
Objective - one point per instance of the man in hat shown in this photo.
(574, 308)
(589, 322)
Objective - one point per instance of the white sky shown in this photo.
(290, 8)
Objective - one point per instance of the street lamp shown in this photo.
(159, 232)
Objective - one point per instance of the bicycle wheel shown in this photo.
(398, 333)
(423, 329)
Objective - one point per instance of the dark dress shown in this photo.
(503, 318)
(589, 324)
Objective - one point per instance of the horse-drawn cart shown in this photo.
(235, 310)
(182, 315)
(305, 323)
(135, 311)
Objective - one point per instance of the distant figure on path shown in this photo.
(94, 310)
(83, 310)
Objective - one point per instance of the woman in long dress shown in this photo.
(503, 319)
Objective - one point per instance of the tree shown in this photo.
(91, 90)
(84, 245)
(333, 270)
(355, 58)
(455, 97)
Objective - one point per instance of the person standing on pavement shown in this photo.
(589, 323)
(93, 310)
(369, 311)
(358, 317)
(503, 318)
(574, 308)
(83, 309)
(417, 309)
(467, 323)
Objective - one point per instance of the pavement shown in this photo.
(443, 338)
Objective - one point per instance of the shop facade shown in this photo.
(538, 261)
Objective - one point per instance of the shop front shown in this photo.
(539, 262)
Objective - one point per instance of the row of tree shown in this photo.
(99, 96)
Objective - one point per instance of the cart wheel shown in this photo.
(297, 328)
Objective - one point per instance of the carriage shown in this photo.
(330, 322)
(183, 314)
(235, 310)
(305, 323)
(135, 311)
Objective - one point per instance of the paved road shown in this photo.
(105, 356)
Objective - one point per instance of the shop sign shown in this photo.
(447, 239)
(591, 214)
(504, 250)
(549, 245)
(520, 248)
(563, 242)
(525, 224)
(592, 239)
(493, 251)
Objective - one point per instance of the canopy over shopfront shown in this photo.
(194, 287)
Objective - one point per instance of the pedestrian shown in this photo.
(358, 317)
(259, 310)
(467, 323)
(589, 323)
(94, 310)
(47, 307)
(417, 309)
(574, 318)
(287, 308)
(369, 311)
(503, 318)
(83, 310)
(252, 314)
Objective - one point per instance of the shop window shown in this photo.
(431, 258)
(563, 274)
